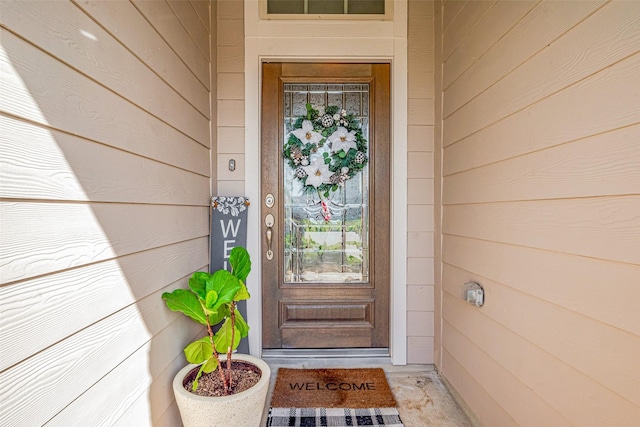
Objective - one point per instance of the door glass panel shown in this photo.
(317, 249)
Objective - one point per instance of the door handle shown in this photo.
(269, 222)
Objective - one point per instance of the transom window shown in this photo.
(327, 7)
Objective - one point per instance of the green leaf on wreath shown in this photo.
(342, 154)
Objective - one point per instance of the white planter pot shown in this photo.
(238, 410)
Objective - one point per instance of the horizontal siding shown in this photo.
(41, 163)
(193, 26)
(526, 408)
(82, 359)
(481, 36)
(606, 228)
(463, 24)
(541, 205)
(149, 46)
(420, 165)
(105, 285)
(606, 38)
(202, 10)
(560, 279)
(526, 36)
(152, 387)
(163, 19)
(31, 233)
(474, 394)
(604, 164)
(230, 98)
(580, 399)
(105, 170)
(83, 107)
(567, 336)
(60, 36)
(589, 115)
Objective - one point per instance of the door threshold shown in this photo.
(327, 357)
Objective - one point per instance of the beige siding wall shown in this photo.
(104, 186)
(230, 99)
(420, 277)
(540, 150)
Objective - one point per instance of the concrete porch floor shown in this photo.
(422, 397)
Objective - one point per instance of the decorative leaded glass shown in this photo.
(317, 250)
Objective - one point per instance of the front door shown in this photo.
(325, 205)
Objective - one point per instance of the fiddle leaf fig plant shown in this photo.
(210, 300)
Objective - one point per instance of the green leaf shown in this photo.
(218, 316)
(241, 325)
(194, 385)
(210, 365)
(199, 351)
(186, 302)
(222, 339)
(242, 294)
(342, 154)
(210, 301)
(226, 285)
(198, 282)
(240, 262)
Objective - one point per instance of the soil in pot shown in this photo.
(243, 376)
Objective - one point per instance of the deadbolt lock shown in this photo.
(269, 200)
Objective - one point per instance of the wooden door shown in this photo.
(325, 256)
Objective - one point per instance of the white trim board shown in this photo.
(389, 46)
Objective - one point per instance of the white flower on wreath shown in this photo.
(306, 134)
(318, 172)
(342, 139)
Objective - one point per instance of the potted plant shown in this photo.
(208, 390)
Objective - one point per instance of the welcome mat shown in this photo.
(332, 397)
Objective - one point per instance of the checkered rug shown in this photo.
(333, 417)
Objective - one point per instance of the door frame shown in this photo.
(372, 295)
(392, 51)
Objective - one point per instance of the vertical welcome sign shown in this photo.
(228, 230)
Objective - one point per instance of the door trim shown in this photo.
(367, 299)
(255, 54)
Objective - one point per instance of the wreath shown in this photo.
(325, 149)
